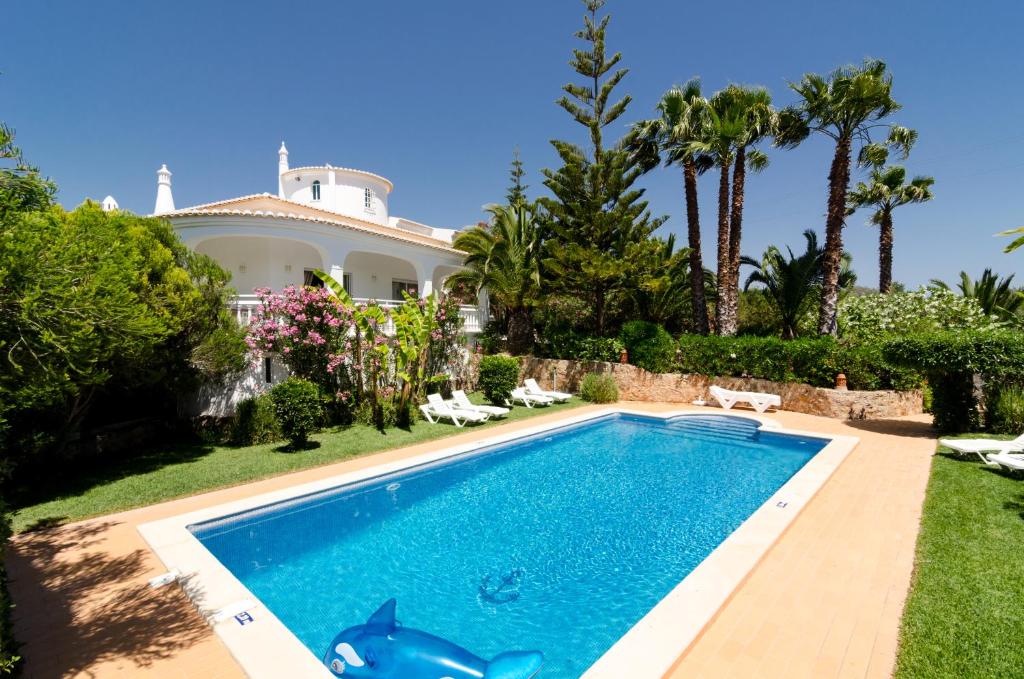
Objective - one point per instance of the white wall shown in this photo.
(365, 266)
(266, 261)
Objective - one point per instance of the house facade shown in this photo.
(322, 217)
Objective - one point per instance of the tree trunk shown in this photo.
(520, 332)
(599, 300)
(700, 303)
(838, 184)
(722, 307)
(885, 254)
(739, 175)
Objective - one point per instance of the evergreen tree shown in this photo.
(516, 194)
(596, 215)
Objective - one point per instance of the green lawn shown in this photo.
(154, 476)
(965, 614)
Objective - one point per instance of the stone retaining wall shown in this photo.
(636, 384)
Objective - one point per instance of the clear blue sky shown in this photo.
(436, 95)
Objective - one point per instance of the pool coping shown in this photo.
(264, 647)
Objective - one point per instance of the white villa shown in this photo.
(323, 217)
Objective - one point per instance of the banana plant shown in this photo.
(414, 321)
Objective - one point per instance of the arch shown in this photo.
(441, 273)
(374, 274)
(262, 261)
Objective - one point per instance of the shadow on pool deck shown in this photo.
(92, 606)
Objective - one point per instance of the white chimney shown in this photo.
(164, 199)
(109, 204)
(282, 167)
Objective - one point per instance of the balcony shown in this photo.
(244, 307)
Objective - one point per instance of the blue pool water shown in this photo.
(559, 542)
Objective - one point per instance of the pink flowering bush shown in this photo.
(310, 330)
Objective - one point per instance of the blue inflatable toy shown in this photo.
(381, 649)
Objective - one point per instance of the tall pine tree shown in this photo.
(516, 194)
(596, 217)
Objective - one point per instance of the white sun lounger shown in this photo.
(758, 401)
(981, 446)
(461, 401)
(534, 389)
(529, 400)
(1012, 461)
(436, 408)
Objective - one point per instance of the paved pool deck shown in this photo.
(825, 601)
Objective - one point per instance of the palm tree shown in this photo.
(1017, 242)
(503, 257)
(671, 134)
(761, 121)
(734, 120)
(790, 282)
(847, 106)
(886, 192)
(995, 295)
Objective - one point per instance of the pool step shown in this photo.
(717, 428)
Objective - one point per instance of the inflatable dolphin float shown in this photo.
(381, 649)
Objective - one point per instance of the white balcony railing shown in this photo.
(244, 307)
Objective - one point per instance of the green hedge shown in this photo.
(499, 375)
(814, 361)
(8, 660)
(650, 346)
(951, 360)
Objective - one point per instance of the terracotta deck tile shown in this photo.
(825, 601)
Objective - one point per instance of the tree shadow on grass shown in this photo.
(895, 427)
(77, 477)
(1016, 505)
(302, 447)
(75, 592)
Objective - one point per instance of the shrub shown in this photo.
(256, 421)
(8, 661)
(102, 309)
(297, 406)
(577, 346)
(649, 344)
(598, 388)
(1007, 411)
(499, 375)
(491, 339)
(951, 360)
(867, 317)
(389, 413)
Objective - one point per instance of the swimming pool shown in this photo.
(561, 541)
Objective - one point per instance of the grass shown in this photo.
(965, 612)
(181, 470)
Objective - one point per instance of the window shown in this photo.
(310, 279)
(346, 282)
(368, 199)
(268, 369)
(316, 190)
(398, 287)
